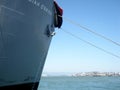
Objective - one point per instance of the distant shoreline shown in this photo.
(97, 74)
(82, 74)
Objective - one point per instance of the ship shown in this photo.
(26, 31)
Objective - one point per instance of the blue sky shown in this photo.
(69, 54)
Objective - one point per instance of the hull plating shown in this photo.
(25, 27)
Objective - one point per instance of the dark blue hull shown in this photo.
(25, 86)
(26, 28)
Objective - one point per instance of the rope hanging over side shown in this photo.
(89, 30)
(110, 53)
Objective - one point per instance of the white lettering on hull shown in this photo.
(41, 6)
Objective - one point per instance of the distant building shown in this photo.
(95, 73)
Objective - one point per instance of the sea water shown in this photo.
(80, 83)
